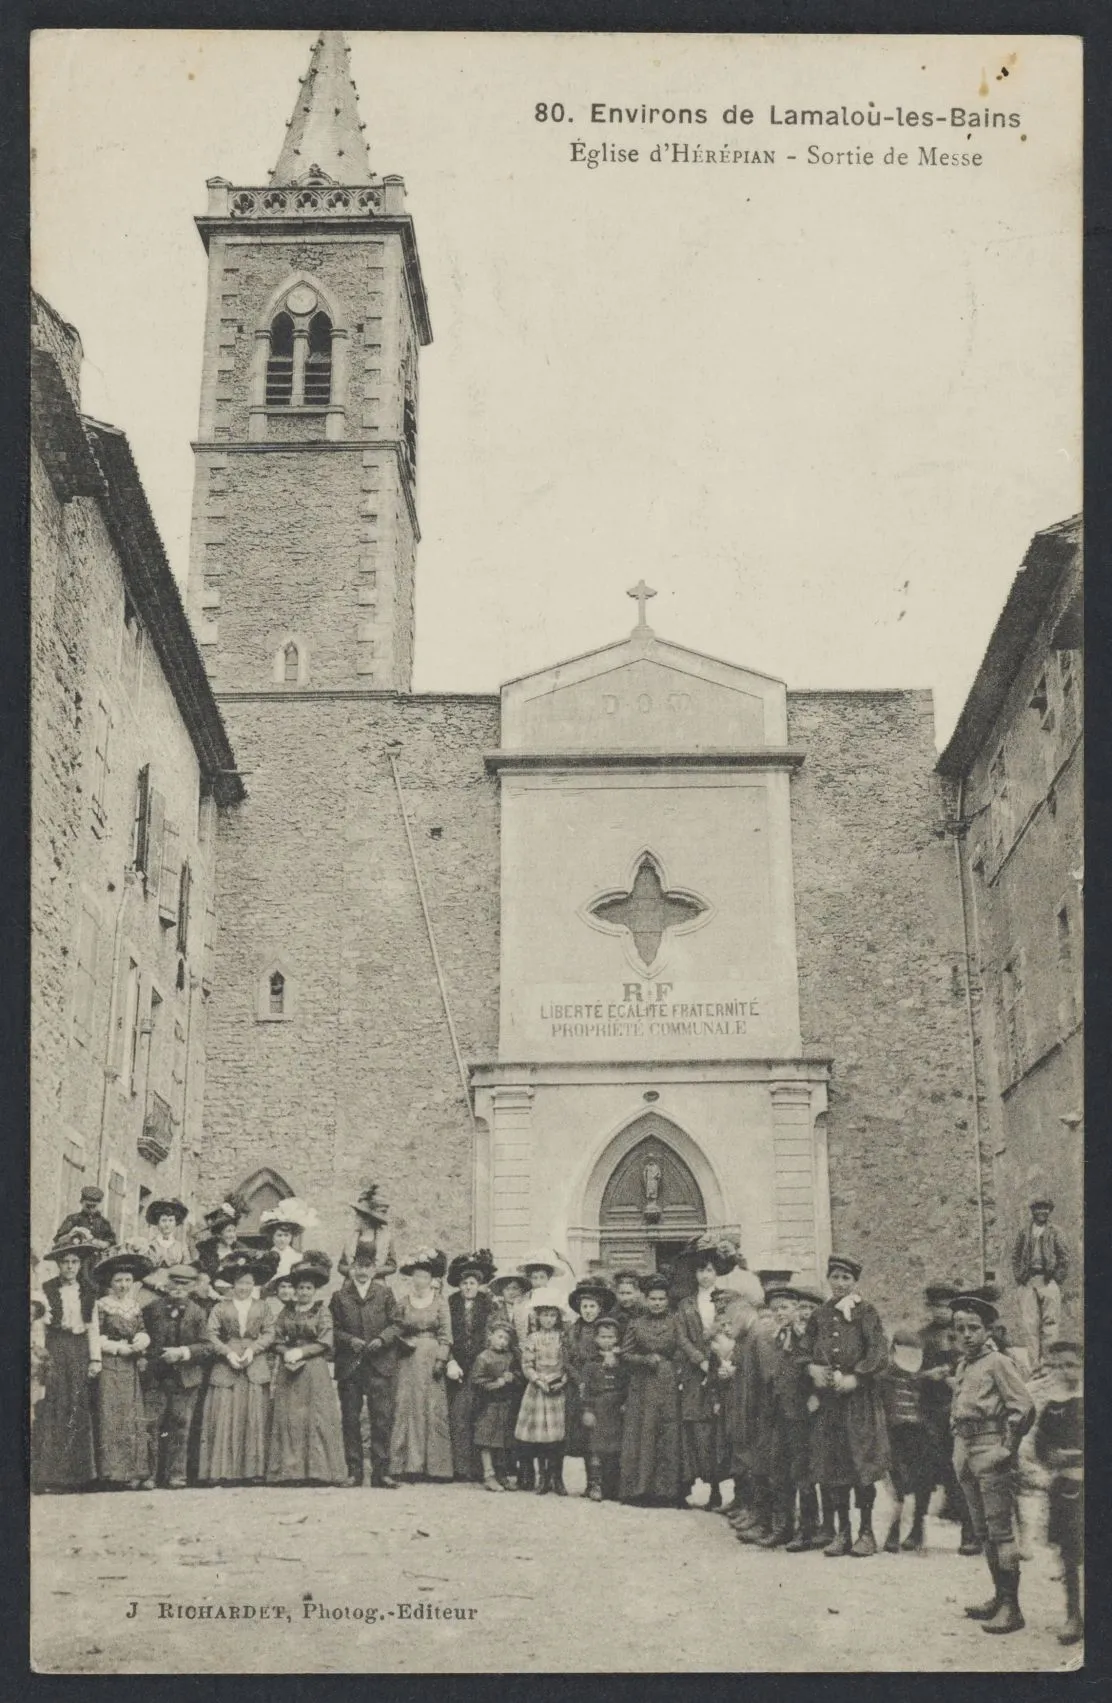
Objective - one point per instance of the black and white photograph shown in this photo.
(557, 864)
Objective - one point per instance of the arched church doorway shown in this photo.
(652, 1204)
(262, 1190)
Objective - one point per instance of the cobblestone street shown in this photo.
(554, 1586)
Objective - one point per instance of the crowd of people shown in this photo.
(220, 1360)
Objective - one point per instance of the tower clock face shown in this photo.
(301, 299)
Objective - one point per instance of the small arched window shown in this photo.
(277, 994)
(279, 366)
(290, 664)
(318, 364)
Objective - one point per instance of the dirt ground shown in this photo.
(451, 1579)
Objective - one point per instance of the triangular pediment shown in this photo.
(644, 694)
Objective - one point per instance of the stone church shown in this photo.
(642, 944)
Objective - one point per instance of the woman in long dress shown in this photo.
(652, 1354)
(122, 1439)
(306, 1443)
(62, 1453)
(421, 1443)
(237, 1406)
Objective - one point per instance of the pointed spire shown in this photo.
(324, 135)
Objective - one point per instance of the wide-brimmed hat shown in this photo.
(369, 1206)
(722, 1252)
(940, 1292)
(770, 1276)
(842, 1262)
(546, 1297)
(292, 1214)
(593, 1289)
(271, 1288)
(498, 1284)
(984, 1310)
(479, 1264)
(239, 1261)
(1042, 1200)
(425, 1259)
(313, 1267)
(221, 1215)
(91, 1195)
(169, 1208)
(76, 1241)
(547, 1257)
(122, 1259)
(787, 1291)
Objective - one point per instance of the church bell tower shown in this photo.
(305, 517)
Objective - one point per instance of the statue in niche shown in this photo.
(651, 1179)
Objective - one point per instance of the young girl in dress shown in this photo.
(602, 1389)
(237, 1407)
(306, 1444)
(123, 1451)
(588, 1301)
(540, 1421)
(508, 1291)
(496, 1384)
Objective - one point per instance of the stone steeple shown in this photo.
(324, 138)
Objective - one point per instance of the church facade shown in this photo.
(640, 945)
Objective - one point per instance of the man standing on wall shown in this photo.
(1040, 1263)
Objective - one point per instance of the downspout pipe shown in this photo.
(959, 832)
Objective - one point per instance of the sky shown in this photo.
(820, 408)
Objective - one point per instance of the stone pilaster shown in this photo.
(794, 1191)
(511, 1174)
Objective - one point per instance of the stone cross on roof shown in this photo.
(642, 593)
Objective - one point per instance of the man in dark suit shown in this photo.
(88, 1217)
(176, 1358)
(366, 1335)
(470, 1311)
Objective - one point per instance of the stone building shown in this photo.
(130, 762)
(1015, 763)
(643, 944)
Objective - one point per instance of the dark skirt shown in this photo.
(305, 1441)
(651, 1446)
(123, 1445)
(62, 1441)
(461, 1424)
(495, 1418)
(917, 1466)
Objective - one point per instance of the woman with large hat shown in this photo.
(372, 1224)
(237, 1406)
(62, 1452)
(123, 1444)
(421, 1442)
(284, 1225)
(469, 1311)
(221, 1240)
(306, 1442)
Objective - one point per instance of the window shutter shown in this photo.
(169, 872)
(87, 943)
(156, 830)
(121, 1016)
(184, 886)
(142, 818)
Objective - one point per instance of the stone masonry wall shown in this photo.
(881, 989)
(316, 879)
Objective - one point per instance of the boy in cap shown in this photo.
(992, 1411)
(846, 1350)
(178, 1353)
(88, 1217)
(1040, 1264)
(783, 1445)
(1059, 1445)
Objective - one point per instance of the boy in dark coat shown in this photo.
(1059, 1445)
(602, 1390)
(178, 1354)
(783, 1445)
(846, 1350)
(366, 1335)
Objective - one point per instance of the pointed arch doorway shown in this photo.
(651, 1204)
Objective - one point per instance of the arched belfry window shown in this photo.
(290, 664)
(279, 366)
(318, 362)
(290, 661)
(275, 993)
